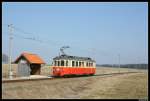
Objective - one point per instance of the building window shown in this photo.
(72, 63)
(76, 63)
(62, 62)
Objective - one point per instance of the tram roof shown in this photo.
(73, 58)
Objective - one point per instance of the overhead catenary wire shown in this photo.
(38, 40)
(50, 41)
(20, 30)
(54, 43)
(35, 39)
(32, 39)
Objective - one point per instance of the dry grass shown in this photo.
(134, 85)
(128, 86)
(5, 70)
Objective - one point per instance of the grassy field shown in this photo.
(126, 86)
(5, 70)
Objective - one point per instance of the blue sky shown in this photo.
(98, 30)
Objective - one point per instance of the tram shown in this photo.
(65, 65)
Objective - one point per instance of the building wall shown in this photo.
(23, 69)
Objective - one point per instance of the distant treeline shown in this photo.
(136, 66)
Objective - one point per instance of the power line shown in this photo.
(50, 41)
(31, 39)
(19, 30)
(35, 39)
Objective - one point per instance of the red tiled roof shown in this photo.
(32, 58)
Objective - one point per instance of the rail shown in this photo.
(54, 78)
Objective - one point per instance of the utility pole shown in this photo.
(112, 65)
(138, 65)
(128, 67)
(119, 62)
(10, 48)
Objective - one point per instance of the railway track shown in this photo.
(54, 78)
(114, 73)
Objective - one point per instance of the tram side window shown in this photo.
(76, 63)
(62, 62)
(82, 64)
(66, 63)
(72, 63)
(55, 63)
(79, 64)
(58, 63)
(87, 64)
(91, 64)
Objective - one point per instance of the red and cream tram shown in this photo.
(72, 65)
